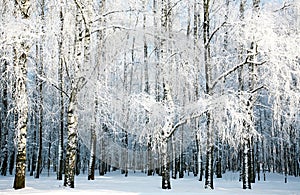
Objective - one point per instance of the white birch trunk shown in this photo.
(20, 69)
(72, 140)
(208, 74)
(245, 172)
(165, 136)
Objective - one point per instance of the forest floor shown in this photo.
(139, 184)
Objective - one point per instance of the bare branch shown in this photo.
(174, 5)
(214, 32)
(257, 89)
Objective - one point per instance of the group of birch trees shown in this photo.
(167, 87)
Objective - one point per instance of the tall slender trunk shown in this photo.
(20, 68)
(4, 123)
(208, 74)
(60, 82)
(33, 142)
(40, 94)
(147, 91)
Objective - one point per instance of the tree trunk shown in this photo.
(33, 154)
(4, 124)
(149, 157)
(40, 94)
(166, 184)
(22, 109)
(173, 160)
(91, 173)
(246, 165)
(181, 162)
(21, 96)
(102, 165)
(209, 154)
(49, 153)
(72, 140)
(60, 160)
(207, 63)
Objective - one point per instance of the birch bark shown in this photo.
(20, 69)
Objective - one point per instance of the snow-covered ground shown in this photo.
(139, 184)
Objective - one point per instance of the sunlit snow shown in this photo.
(139, 184)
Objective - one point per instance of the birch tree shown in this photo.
(81, 56)
(20, 68)
(208, 77)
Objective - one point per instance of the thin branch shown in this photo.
(114, 12)
(214, 32)
(184, 121)
(82, 14)
(228, 72)
(52, 84)
(285, 5)
(224, 75)
(258, 88)
(174, 5)
(59, 89)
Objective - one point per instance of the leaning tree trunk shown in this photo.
(20, 68)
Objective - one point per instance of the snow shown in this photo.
(140, 184)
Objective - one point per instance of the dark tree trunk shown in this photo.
(61, 119)
(4, 124)
(49, 154)
(91, 171)
(40, 95)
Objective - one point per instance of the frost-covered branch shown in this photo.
(230, 71)
(114, 12)
(284, 6)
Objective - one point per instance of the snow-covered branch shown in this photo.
(233, 69)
